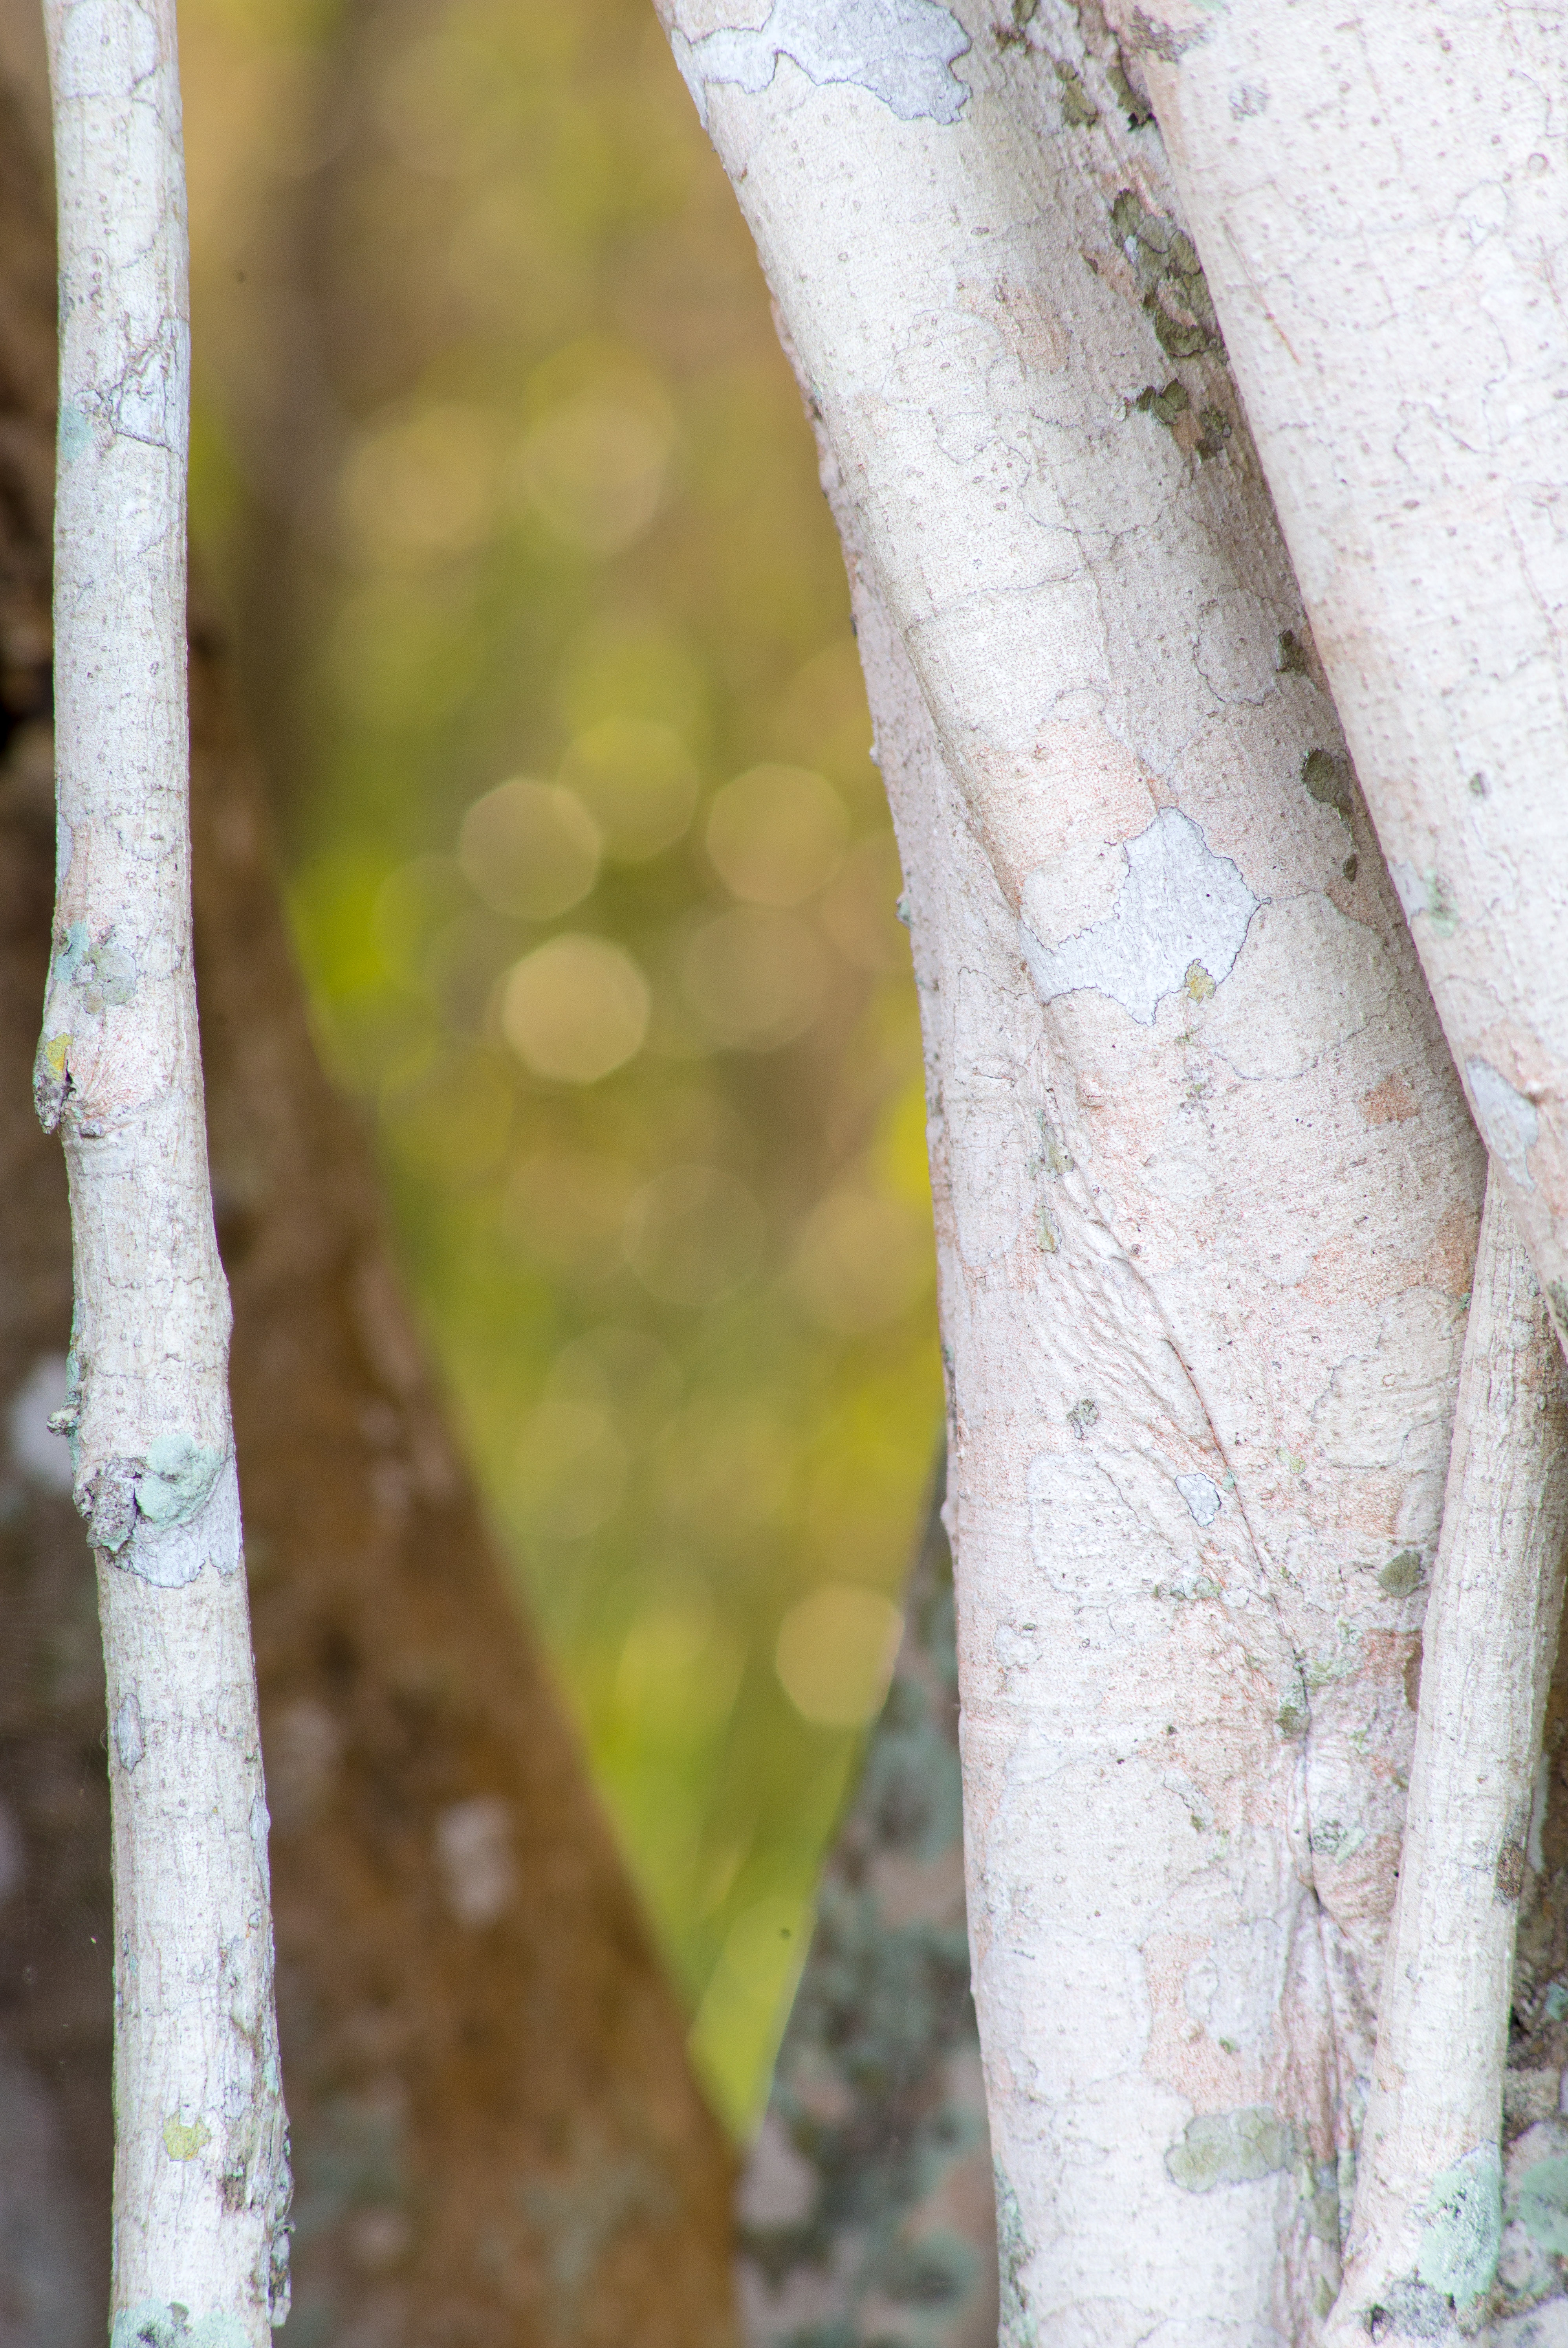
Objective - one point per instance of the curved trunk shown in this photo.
(1206, 1220)
(1378, 199)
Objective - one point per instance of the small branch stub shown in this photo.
(201, 2175)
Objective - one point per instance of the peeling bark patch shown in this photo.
(1463, 2230)
(1202, 1496)
(1179, 905)
(902, 51)
(129, 1741)
(1230, 2148)
(1507, 1121)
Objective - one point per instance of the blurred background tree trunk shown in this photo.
(496, 2138)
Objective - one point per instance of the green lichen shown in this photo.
(1292, 660)
(1016, 2325)
(1436, 909)
(1079, 110)
(1164, 406)
(1197, 983)
(1046, 1231)
(1214, 430)
(184, 2140)
(1231, 2148)
(178, 1476)
(1462, 2231)
(165, 2323)
(1401, 1574)
(1327, 781)
(1083, 1415)
(1055, 1159)
(1137, 109)
(1170, 276)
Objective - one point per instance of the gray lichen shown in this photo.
(865, 2096)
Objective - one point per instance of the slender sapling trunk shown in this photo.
(201, 2179)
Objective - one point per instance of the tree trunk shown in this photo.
(1379, 206)
(1206, 1227)
(496, 2135)
(1426, 2225)
(201, 2187)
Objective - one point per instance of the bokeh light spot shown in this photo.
(529, 848)
(835, 1655)
(862, 1260)
(594, 469)
(693, 1234)
(754, 980)
(639, 780)
(775, 834)
(575, 1009)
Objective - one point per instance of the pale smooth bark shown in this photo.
(201, 2181)
(1380, 198)
(1205, 1226)
(1428, 2219)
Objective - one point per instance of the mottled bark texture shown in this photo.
(866, 2208)
(495, 2137)
(1378, 198)
(1426, 2227)
(1206, 1193)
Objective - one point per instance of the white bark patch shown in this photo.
(901, 50)
(1202, 1496)
(129, 1741)
(1180, 920)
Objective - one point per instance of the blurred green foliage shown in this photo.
(546, 630)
